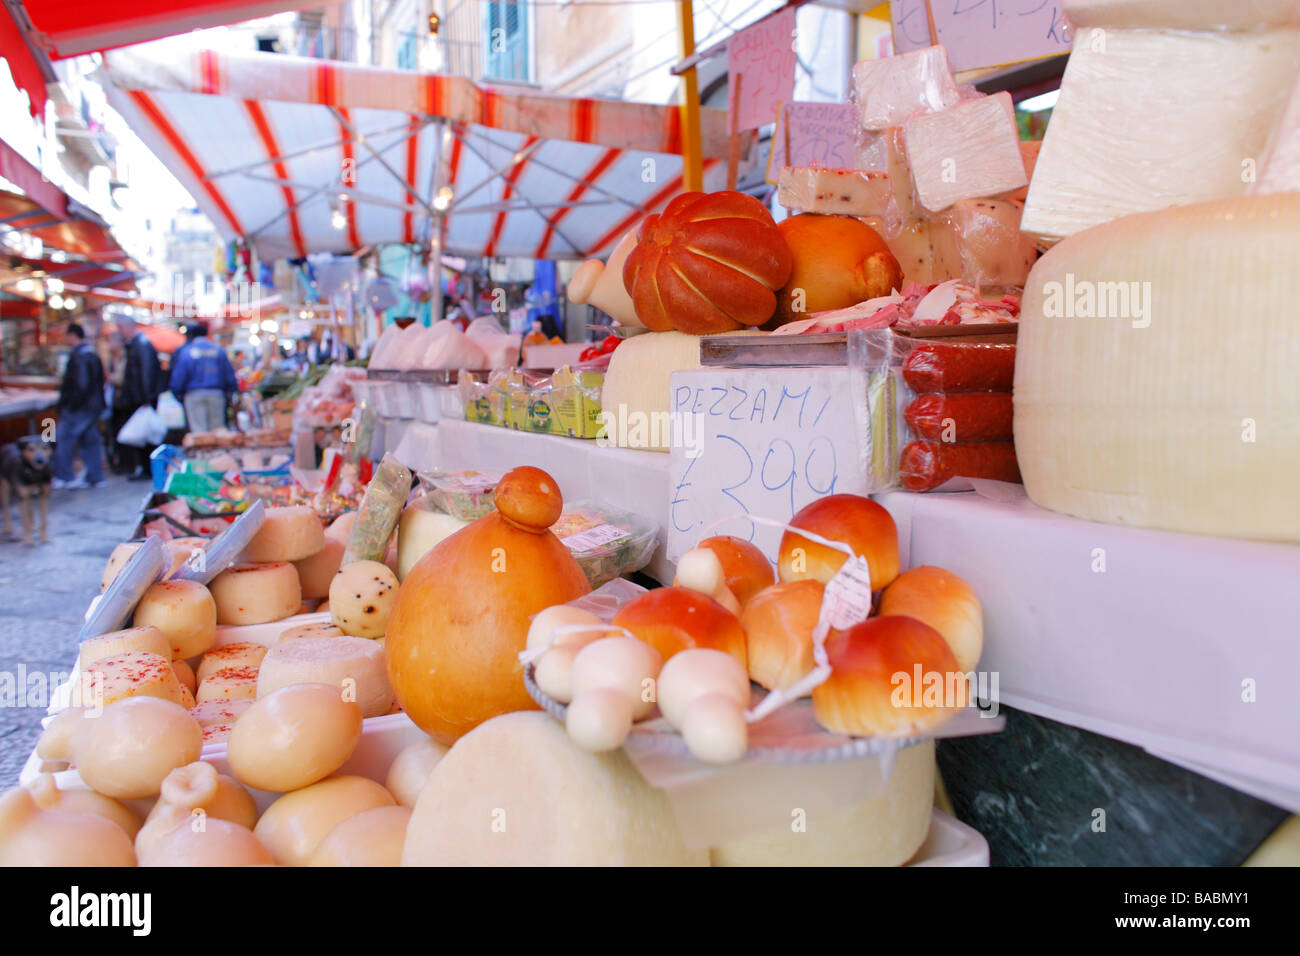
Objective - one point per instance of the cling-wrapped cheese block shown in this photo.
(515, 791)
(1209, 104)
(965, 152)
(886, 830)
(1155, 380)
(1029, 156)
(979, 241)
(1279, 171)
(884, 150)
(838, 192)
(893, 88)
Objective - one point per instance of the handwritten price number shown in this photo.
(781, 469)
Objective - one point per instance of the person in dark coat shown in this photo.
(81, 403)
(142, 383)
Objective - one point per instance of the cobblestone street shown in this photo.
(44, 592)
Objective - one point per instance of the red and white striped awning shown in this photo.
(301, 155)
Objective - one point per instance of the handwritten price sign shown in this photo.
(770, 441)
(762, 59)
(911, 25)
(981, 33)
(819, 134)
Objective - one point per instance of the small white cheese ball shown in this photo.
(690, 674)
(362, 596)
(554, 673)
(564, 616)
(714, 729)
(625, 664)
(599, 719)
(410, 770)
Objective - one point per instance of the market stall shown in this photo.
(949, 481)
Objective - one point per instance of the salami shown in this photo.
(961, 417)
(928, 464)
(940, 367)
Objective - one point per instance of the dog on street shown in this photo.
(25, 472)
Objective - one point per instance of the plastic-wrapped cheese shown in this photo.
(1156, 371)
(884, 831)
(965, 152)
(383, 354)
(414, 343)
(256, 593)
(979, 241)
(288, 533)
(1209, 103)
(454, 349)
(515, 791)
(1279, 170)
(354, 664)
(884, 150)
(890, 89)
(836, 192)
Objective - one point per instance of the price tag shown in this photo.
(593, 538)
(980, 33)
(847, 598)
(762, 59)
(819, 134)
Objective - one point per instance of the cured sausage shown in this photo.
(940, 367)
(928, 464)
(961, 417)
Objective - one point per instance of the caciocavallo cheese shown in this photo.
(1156, 371)
(1149, 119)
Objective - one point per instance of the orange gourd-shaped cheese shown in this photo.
(710, 262)
(462, 614)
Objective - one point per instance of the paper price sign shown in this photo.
(980, 33)
(819, 134)
(761, 59)
(847, 600)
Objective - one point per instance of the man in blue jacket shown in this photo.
(203, 380)
(81, 401)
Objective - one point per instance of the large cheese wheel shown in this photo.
(419, 531)
(316, 572)
(886, 830)
(290, 533)
(353, 664)
(515, 791)
(184, 611)
(229, 683)
(256, 593)
(238, 654)
(1158, 414)
(148, 639)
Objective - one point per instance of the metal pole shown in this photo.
(435, 223)
(692, 163)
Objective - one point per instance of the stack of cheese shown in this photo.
(940, 175)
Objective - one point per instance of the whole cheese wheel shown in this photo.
(184, 611)
(238, 654)
(371, 838)
(295, 825)
(256, 593)
(886, 830)
(708, 263)
(228, 683)
(516, 791)
(317, 571)
(419, 531)
(185, 674)
(217, 712)
(289, 533)
(1130, 405)
(135, 674)
(352, 664)
(319, 629)
(149, 639)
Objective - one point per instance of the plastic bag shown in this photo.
(171, 411)
(145, 427)
(606, 542)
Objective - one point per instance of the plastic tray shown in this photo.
(619, 542)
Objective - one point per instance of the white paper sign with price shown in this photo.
(982, 33)
(764, 441)
(818, 134)
(762, 59)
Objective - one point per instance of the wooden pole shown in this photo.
(692, 161)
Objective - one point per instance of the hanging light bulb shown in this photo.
(442, 201)
(69, 303)
(56, 301)
(337, 219)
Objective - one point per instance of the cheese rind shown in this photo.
(1210, 103)
(1181, 411)
(891, 89)
(965, 152)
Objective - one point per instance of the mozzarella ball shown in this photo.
(689, 674)
(625, 664)
(599, 719)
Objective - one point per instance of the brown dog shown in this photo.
(25, 472)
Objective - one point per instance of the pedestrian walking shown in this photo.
(81, 403)
(142, 383)
(203, 380)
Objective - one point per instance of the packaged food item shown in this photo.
(607, 543)
(575, 401)
(466, 494)
(924, 465)
(379, 511)
(539, 415)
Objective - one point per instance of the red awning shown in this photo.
(76, 276)
(80, 234)
(164, 338)
(72, 27)
(29, 67)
